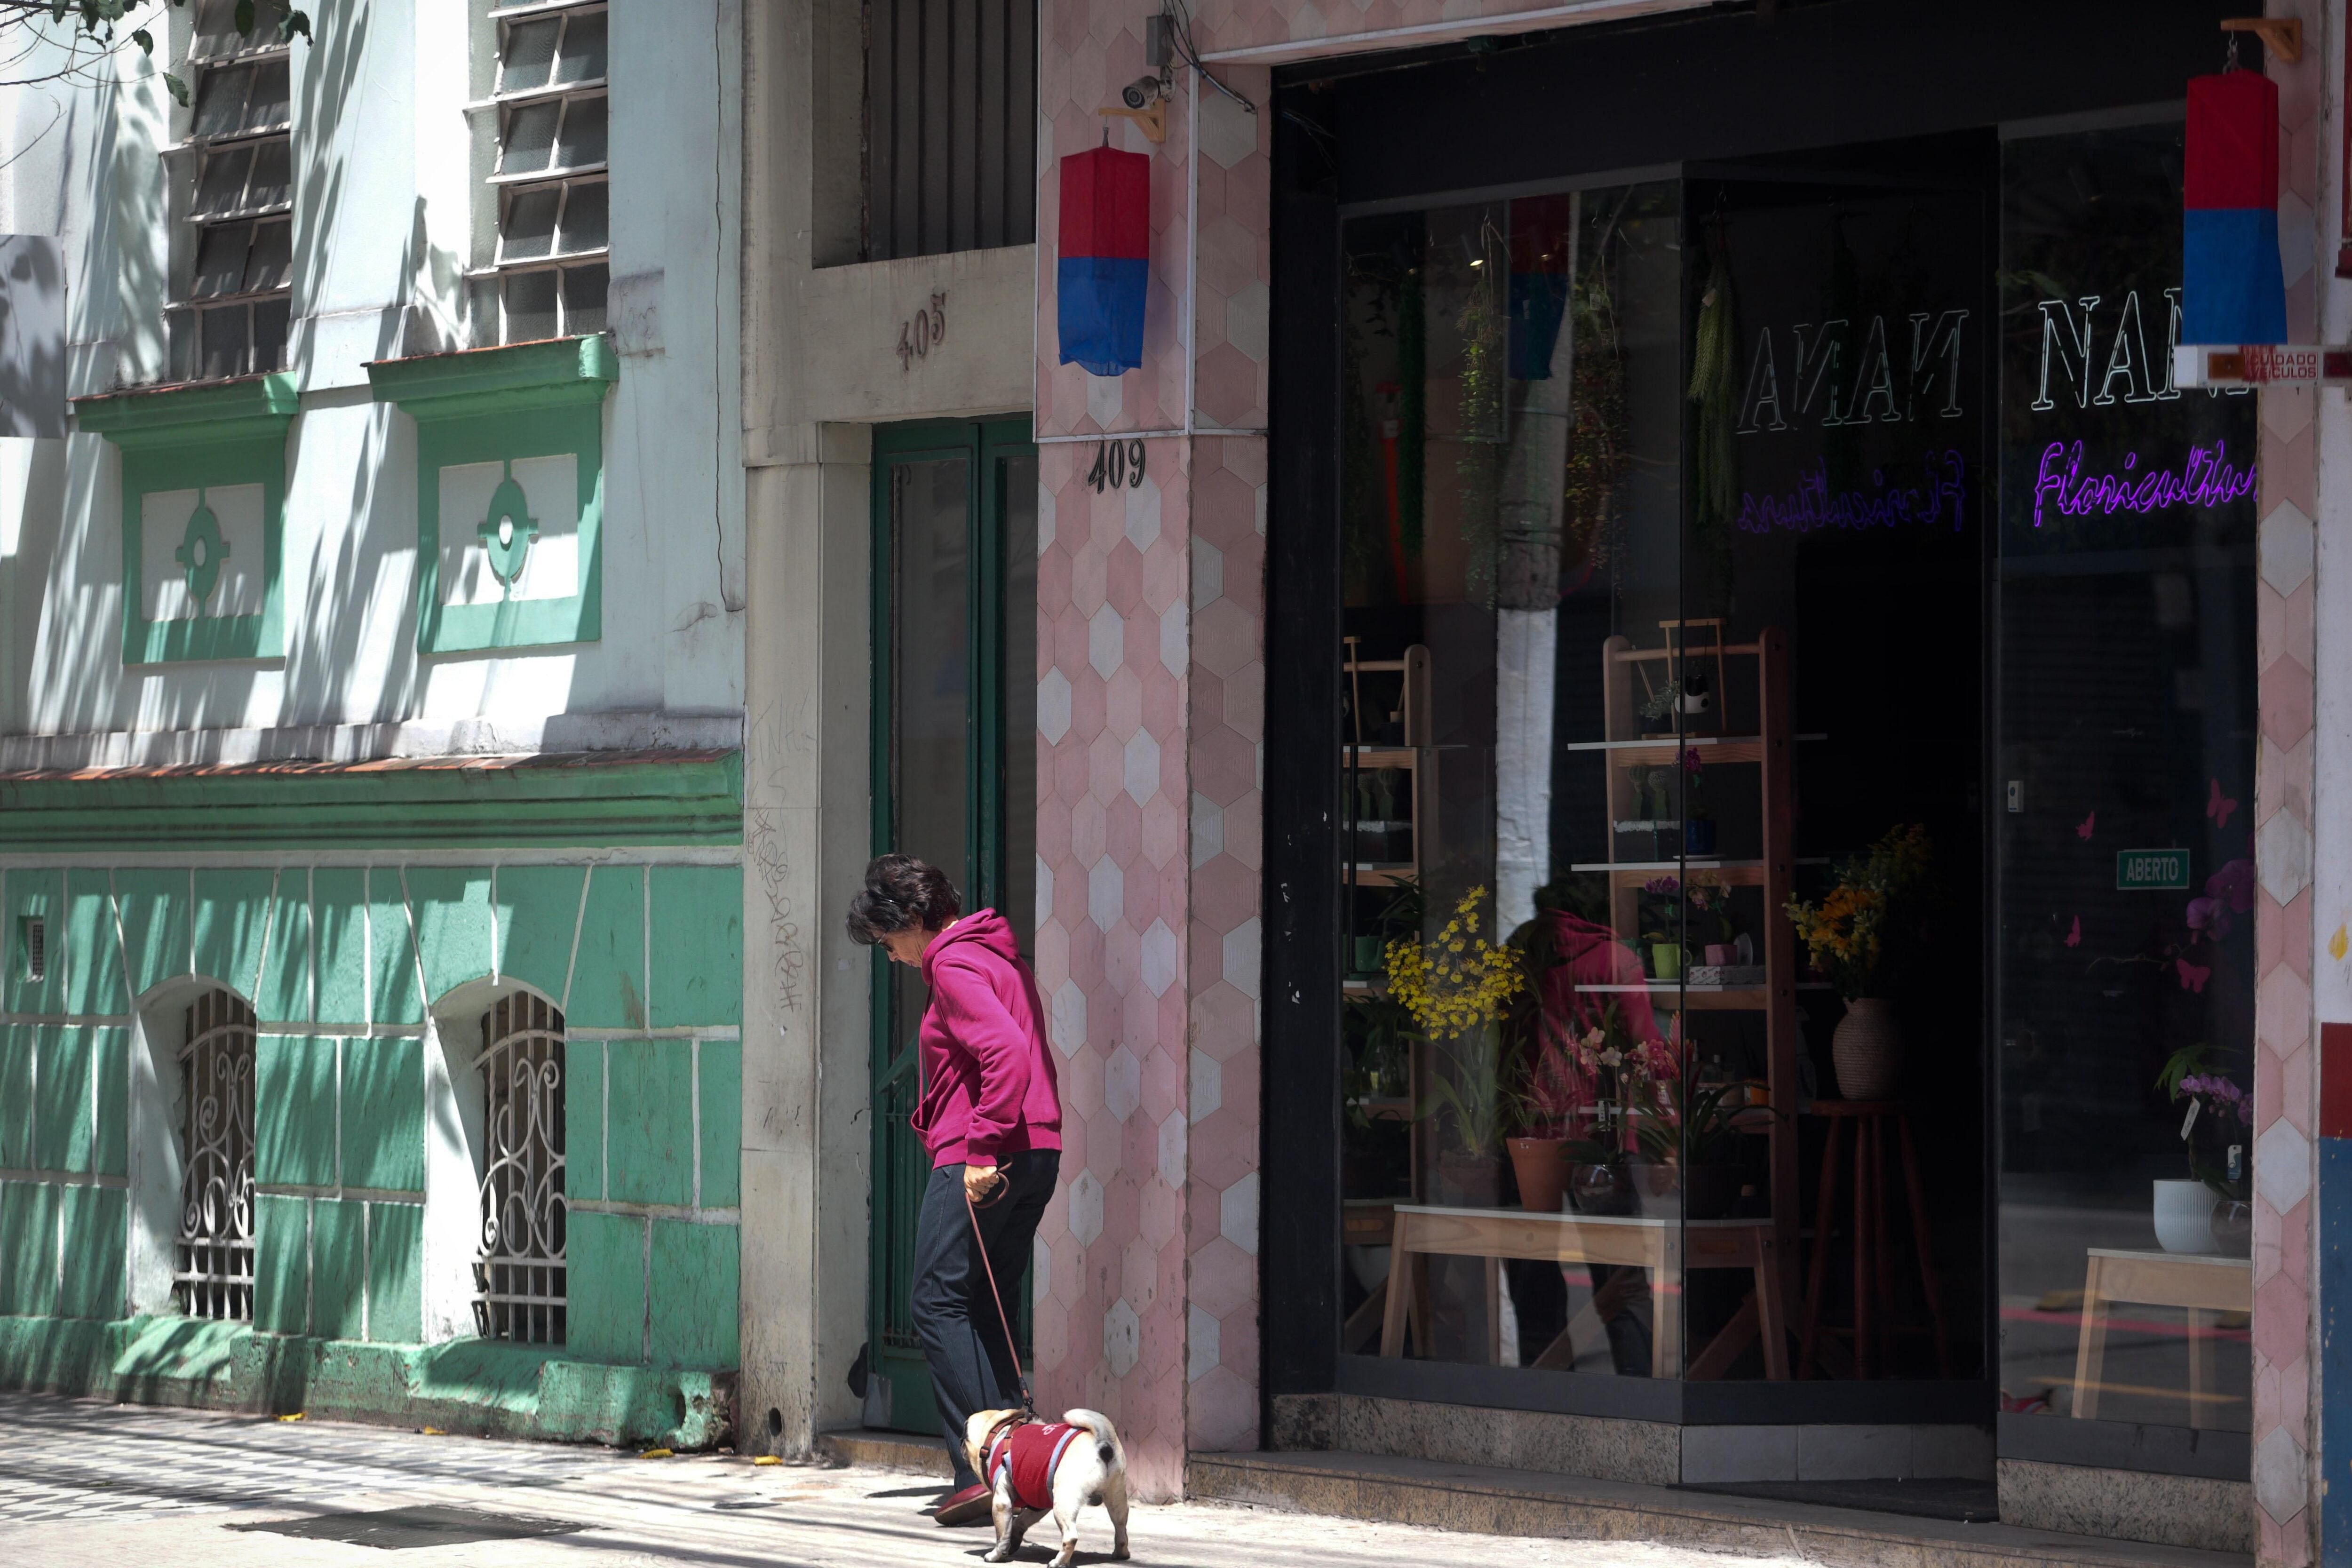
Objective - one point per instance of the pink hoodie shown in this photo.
(988, 1082)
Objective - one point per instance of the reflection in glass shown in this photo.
(1663, 555)
(2125, 968)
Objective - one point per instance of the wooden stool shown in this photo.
(1874, 1328)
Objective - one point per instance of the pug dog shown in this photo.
(1034, 1467)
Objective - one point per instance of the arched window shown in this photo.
(518, 1276)
(212, 1262)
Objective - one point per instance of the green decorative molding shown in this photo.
(507, 405)
(584, 800)
(199, 438)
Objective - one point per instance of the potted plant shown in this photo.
(1544, 1099)
(1709, 893)
(1456, 985)
(2207, 1213)
(1860, 936)
(1692, 1147)
(1614, 1070)
(1662, 921)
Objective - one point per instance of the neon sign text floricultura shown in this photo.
(2206, 479)
(1813, 505)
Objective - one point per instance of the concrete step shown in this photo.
(905, 1451)
(1524, 1502)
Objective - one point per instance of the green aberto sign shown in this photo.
(222, 435)
(2151, 870)
(507, 406)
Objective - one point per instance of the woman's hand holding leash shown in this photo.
(978, 1181)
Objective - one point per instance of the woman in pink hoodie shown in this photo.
(989, 1113)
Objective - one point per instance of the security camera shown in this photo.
(1141, 91)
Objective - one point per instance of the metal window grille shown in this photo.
(213, 1261)
(551, 268)
(519, 1275)
(950, 125)
(232, 318)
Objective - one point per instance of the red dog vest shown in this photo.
(1030, 1452)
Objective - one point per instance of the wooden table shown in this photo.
(1663, 1247)
(2202, 1284)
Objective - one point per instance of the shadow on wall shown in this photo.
(348, 566)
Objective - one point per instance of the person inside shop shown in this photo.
(989, 1112)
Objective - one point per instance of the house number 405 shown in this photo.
(1118, 465)
(921, 332)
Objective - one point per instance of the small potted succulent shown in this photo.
(1691, 1149)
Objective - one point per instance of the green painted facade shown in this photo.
(342, 963)
(506, 405)
(194, 437)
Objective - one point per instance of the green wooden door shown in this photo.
(955, 761)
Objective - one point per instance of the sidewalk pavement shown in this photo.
(85, 1485)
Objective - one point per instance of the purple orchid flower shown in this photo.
(2234, 884)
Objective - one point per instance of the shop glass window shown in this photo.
(548, 269)
(1663, 530)
(231, 317)
(1794, 833)
(2126, 763)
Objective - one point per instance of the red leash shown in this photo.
(1011, 1346)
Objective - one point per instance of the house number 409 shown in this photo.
(1118, 465)
(921, 332)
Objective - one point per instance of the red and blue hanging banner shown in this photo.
(2233, 288)
(1103, 272)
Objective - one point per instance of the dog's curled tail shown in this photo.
(1108, 1446)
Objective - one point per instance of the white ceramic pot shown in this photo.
(2184, 1217)
(1868, 1050)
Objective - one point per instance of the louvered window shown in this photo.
(549, 267)
(231, 318)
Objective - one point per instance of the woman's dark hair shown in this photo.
(901, 893)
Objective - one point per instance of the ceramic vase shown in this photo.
(2184, 1218)
(1868, 1050)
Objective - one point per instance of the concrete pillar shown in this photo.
(806, 1130)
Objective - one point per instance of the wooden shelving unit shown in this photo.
(1627, 673)
(1416, 759)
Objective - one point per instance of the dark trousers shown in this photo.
(955, 1313)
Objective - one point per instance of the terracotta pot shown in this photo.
(1469, 1181)
(1868, 1050)
(1599, 1190)
(1541, 1165)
